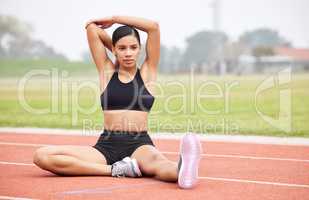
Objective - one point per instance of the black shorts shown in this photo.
(116, 145)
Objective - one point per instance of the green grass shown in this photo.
(236, 115)
(18, 68)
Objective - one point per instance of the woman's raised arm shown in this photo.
(98, 39)
(150, 27)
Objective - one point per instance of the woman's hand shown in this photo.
(105, 22)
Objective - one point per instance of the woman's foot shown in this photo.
(126, 167)
(190, 154)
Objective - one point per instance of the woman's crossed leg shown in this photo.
(71, 160)
(153, 163)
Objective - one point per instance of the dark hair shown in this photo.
(123, 31)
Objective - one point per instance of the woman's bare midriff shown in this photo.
(125, 120)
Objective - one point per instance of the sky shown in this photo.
(60, 23)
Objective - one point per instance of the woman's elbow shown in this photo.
(91, 28)
(92, 32)
(156, 26)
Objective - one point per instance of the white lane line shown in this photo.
(254, 182)
(243, 157)
(23, 144)
(15, 198)
(205, 178)
(176, 153)
(14, 163)
(248, 139)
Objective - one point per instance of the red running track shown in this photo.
(227, 171)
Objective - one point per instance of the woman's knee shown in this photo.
(44, 158)
(161, 168)
(40, 157)
(151, 165)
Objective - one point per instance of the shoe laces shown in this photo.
(119, 169)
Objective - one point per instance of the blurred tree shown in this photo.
(174, 59)
(86, 56)
(163, 63)
(204, 47)
(170, 59)
(232, 50)
(263, 37)
(263, 51)
(16, 41)
(260, 42)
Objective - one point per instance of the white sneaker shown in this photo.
(188, 165)
(126, 167)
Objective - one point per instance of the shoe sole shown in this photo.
(190, 153)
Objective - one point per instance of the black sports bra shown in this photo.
(126, 96)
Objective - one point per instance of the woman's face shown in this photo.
(127, 50)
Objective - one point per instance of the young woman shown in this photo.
(127, 95)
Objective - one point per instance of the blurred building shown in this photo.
(283, 57)
(300, 57)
